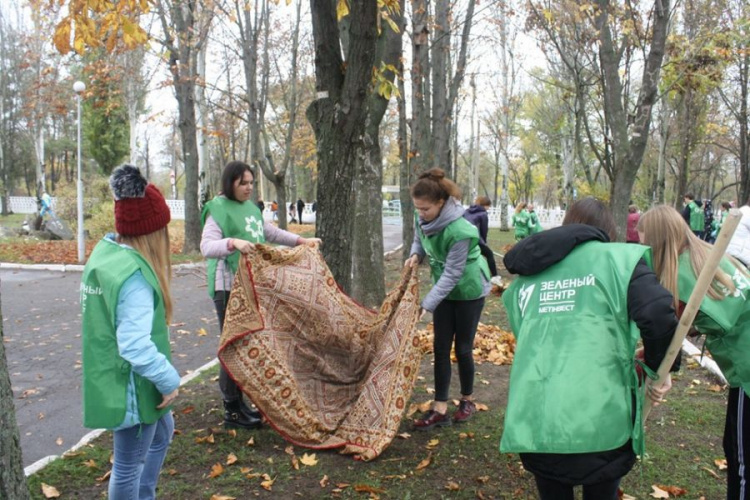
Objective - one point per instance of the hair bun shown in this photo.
(435, 174)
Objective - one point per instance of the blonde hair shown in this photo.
(668, 235)
(154, 247)
(520, 206)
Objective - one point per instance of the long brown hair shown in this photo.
(154, 247)
(521, 205)
(668, 235)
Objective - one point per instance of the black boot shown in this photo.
(248, 411)
(234, 416)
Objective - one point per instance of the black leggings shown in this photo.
(459, 319)
(229, 390)
(554, 490)
(487, 253)
(737, 444)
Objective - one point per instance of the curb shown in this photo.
(85, 440)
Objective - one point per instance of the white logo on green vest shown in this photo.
(559, 295)
(524, 295)
(88, 290)
(254, 227)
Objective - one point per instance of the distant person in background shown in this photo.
(536, 226)
(275, 209)
(292, 212)
(315, 206)
(261, 206)
(693, 214)
(521, 221)
(300, 208)
(719, 221)
(708, 220)
(633, 218)
(46, 205)
(477, 215)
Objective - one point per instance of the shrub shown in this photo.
(98, 207)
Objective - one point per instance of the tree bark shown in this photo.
(12, 478)
(338, 118)
(629, 145)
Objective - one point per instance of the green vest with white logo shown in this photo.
(437, 246)
(697, 217)
(237, 220)
(573, 377)
(729, 344)
(105, 373)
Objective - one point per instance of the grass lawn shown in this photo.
(459, 462)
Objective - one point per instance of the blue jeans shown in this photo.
(139, 455)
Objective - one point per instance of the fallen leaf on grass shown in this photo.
(309, 460)
(90, 463)
(675, 491)
(658, 492)
(188, 410)
(404, 435)
(289, 450)
(366, 488)
(483, 479)
(222, 497)
(231, 458)
(342, 485)
(207, 439)
(232, 433)
(295, 462)
(49, 491)
(415, 407)
(424, 463)
(481, 407)
(324, 482)
(721, 463)
(714, 474)
(452, 486)
(432, 443)
(103, 478)
(245, 470)
(216, 470)
(267, 483)
(715, 388)
(251, 441)
(464, 435)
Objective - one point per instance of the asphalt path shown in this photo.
(42, 333)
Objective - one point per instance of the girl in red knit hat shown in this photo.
(129, 382)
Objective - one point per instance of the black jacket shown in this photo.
(649, 306)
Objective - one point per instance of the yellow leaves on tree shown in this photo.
(100, 23)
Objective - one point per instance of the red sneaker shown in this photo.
(465, 410)
(431, 419)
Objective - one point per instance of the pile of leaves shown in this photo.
(492, 344)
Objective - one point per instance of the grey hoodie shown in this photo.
(455, 261)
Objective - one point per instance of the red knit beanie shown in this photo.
(139, 206)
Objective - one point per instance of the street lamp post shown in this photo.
(78, 88)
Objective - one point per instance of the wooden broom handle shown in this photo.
(693, 304)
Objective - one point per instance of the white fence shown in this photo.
(549, 217)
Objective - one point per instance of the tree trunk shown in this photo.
(12, 478)
(405, 177)
(338, 118)
(629, 145)
(441, 108)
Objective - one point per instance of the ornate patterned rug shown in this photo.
(325, 371)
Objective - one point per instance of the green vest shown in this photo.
(697, 217)
(437, 247)
(573, 377)
(725, 322)
(105, 374)
(522, 224)
(236, 220)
